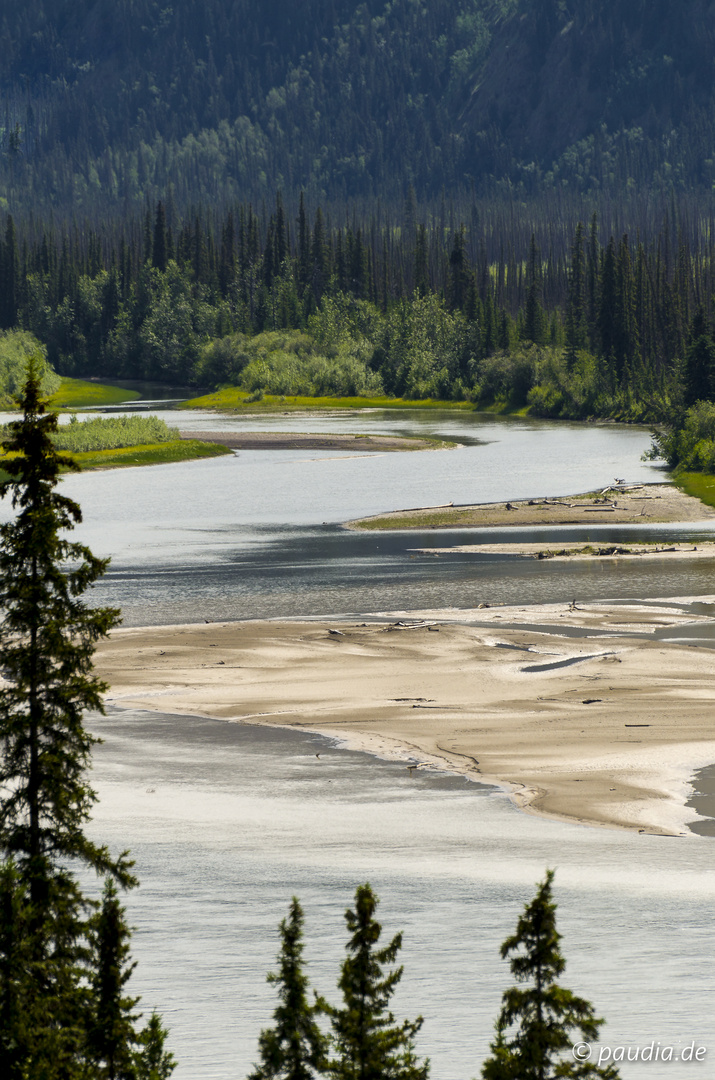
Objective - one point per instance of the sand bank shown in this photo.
(605, 727)
(298, 440)
(634, 504)
(575, 550)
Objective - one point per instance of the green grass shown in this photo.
(700, 485)
(233, 398)
(78, 394)
(438, 519)
(152, 454)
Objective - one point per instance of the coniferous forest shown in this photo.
(507, 202)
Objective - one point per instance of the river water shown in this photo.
(227, 822)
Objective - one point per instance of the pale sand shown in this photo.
(611, 739)
(575, 550)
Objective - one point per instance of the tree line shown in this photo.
(563, 318)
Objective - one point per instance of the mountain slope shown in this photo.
(107, 103)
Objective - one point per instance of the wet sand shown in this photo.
(578, 710)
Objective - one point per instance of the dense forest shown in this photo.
(508, 202)
(105, 105)
(571, 323)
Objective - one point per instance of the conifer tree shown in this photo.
(153, 1061)
(534, 317)
(112, 1036)
(576, 328)
(370, 1045)
(699, 361)
(295, 1048)
(46, 644)
(538, 1023)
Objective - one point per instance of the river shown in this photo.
(227, 823)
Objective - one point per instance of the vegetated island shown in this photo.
(298, 440)
(111, 442)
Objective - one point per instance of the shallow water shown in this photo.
(227, 822)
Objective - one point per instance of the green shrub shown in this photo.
(16, 348)
(112, 433)
(691, 444)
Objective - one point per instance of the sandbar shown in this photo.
(578, 711)
(299, 440)
(632, 504)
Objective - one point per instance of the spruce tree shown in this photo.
(47, 638)
(112, 1035)
(370, 1045)
(295, 1048)
(539, 1023)
(153, 1061)
(699, 379)
(534, 317)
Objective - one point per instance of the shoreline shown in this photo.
(577, 728)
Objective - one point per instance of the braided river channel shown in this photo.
(227, 822)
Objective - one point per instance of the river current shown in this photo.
(228, 822)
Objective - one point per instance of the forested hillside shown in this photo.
(108, 103)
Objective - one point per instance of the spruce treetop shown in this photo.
(539, 1023)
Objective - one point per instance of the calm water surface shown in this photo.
(258, 533)
(228, 822)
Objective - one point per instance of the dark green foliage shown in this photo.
(368, 1043)
(107, 104)
(534, 317)
(112, 1035)
(48, 637)
(152, 1060)
(540, 1022)
(61, 969)
(699, 361)
(294, 1048)
(434, 305)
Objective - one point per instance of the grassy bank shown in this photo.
(233, 398)
(699, 485)
(78, 394)
(152, 454)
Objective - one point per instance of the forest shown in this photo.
(564, 319)
(107, 106)
(502, 202)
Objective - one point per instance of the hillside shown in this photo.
(106, 104)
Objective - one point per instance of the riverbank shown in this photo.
(633, 504)
(571, 707)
